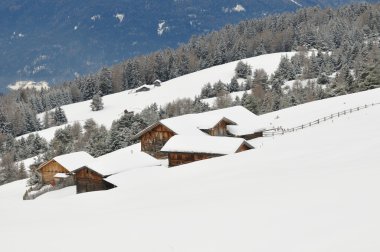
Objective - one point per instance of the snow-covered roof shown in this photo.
(61, 175)
(209, 124)
(121, 160)
(204, 144)
(144, 86)
(191, 124)
(238, 130)
(74, 160)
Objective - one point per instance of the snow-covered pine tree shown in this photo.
(249, 102)
(105, 81)
(242, 70)
(5, 126)
(59, 116)
(98, 144)
(63, 142)
(97, 103)
(206, 91)
(234, 85)
(219, 88)
(21, 172)
(150, 114)
(89, 88)
(8, 169)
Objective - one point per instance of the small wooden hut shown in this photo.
(157, 83)
(63, 164)
(88, 180)
(186, 149)
(92, 177)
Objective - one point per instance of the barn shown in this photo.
(91, 177)
(183, 149)
(213, 123)
(63, 164)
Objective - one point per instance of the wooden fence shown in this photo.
(281, 131)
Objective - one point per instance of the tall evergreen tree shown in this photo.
(234, 85)
(105, 81)
(59, 116)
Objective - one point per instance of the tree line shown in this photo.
(346, 42)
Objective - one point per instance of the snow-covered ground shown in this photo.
(312, 190)
(301, 114)
(187, 86)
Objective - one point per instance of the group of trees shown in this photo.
(316, 75)
(342, 32)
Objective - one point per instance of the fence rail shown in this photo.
(281, 131)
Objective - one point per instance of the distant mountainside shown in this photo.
(46, 40)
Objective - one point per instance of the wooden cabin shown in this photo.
(156, 136)
(64, 164)
(88, 180)
(186, 149)
(234, 121)
(143, 88)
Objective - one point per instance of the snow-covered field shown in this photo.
(312, 190)
(187, 86)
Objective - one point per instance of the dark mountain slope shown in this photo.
(55, 39)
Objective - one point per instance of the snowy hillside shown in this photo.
(312, 190)
(187, 86)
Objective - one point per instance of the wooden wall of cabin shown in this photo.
(243, 147)
(87, 180)
(253, 136)
(219, 130)
(184, 158)
(49, 170)
(153, 141)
